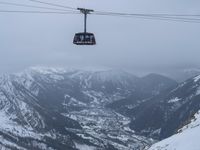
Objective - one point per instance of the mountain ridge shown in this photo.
(40, 105)
(95, 109)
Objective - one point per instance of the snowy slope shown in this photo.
(186, 139)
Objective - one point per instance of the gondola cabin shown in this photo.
(84, 39)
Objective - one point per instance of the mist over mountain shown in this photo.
(180, 75)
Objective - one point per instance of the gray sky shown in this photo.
(123, 43)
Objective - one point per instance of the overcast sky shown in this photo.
(122, 43)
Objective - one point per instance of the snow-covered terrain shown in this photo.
(55, 108)
(59, 109)
(187, 137)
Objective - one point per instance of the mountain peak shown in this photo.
(156, 76)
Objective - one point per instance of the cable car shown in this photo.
(84, 38)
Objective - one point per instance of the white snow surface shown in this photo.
(187, 138)
(84, 147)
(7, 125)
(197, 78)
(173, 100)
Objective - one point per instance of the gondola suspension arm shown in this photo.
(85, 12)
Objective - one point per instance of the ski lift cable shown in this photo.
(151, 16)
(178, 17)
(53, 4)
(30, 6)
(167, 17)
(173, 16)
(37, 12)
(135, 14)
(188, 20)
(140, 17)
(118, 13)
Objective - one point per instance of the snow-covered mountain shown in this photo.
(48, 108)
(162, 115)
(26, 123)
(187, 137)
(138, 105)
(59, 109)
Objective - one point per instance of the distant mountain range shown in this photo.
(59, 109)
(180, 75)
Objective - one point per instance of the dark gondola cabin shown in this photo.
(84, 39)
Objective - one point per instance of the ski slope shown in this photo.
(188, 138)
